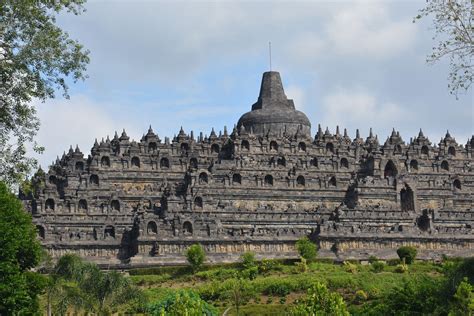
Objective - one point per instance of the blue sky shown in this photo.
(356, 64)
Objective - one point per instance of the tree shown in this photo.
(320, 301)
(407, 254)
(19, 252)
(195, 255)
(36, 59)
(306, 248)
(454, 32)
(247, 259)
(239, 292)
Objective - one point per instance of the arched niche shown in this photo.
(215, 148)
(457, 185)
(187, 228)
(82, 205)
(198, 202)
(245, 145)
(314, 162)
(115, 205)
(152, 146)
(203, 178)
(40, 231)
(49, 205)
(105, 162)
(94, 179)
(236, 178)
(390, 170)
(152, 228)
(268, 180)
(425, 150)
(109, 232)
(330, 147)
(302, 146)
(413, 165)
(79, 166)
(452, 151)
(193, 163)
(300, 181)
(135, 162)
(273, 146)
(444, 165)
(281, 162)
(332, 182)
(184, 147)
(344, 163)
(164, 163)
(407, 199)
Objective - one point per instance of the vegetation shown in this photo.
(453, 25)
(306, 248)
(36, 59)
(75, 285)
(195, 256)
(182, 302)
(19, 252)
(407, 254)
(320, 301)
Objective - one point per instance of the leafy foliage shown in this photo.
(454, 30)
(378, 266)
(407, 254)
(36, 58)
(306, 248)
(320, 301)
(82, 286)
(247, 260)
(182, 302)
(19, 252)
(195, 256)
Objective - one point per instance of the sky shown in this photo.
(196, 64)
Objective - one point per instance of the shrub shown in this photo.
(401, 268)
(247, 259)
(267, 265)
(250, 273)
(373, 259)
(378, 266)
(360, 296)
(320, 301)
(183, 302)
(306, 248)
(407, 253)
(463, 299)
(350, 267)
(195, 255)
(301, 266)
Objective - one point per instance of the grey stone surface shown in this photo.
(259, 188)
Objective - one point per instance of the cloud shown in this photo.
(366, 29)
(355, 108)
(76, 121)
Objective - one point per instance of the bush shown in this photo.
(401, 268)
(350, 267)
(267, 265)
(301, 266)
(247, 259)
(183, 302)
(320, 301)
(360, 297)
(378, 266)
(195, 255)
(407, 254)
(306, 248)
(373, 259)
(250, 273)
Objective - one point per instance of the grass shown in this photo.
(275, 290)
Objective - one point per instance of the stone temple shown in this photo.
(259, 187)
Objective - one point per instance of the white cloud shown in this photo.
(75, 121)
(356, 108)
(297, 94)
(367, 29)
